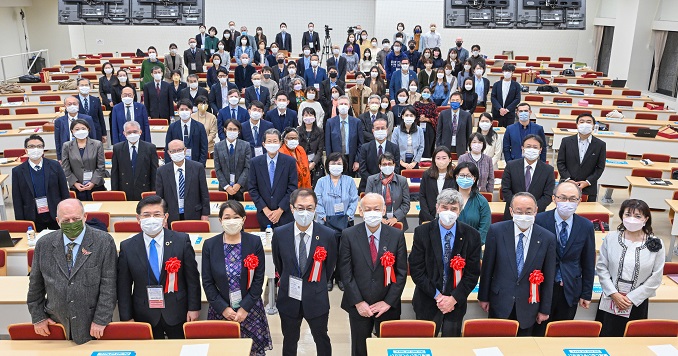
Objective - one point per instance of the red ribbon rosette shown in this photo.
(457, 264)
(172, 267)
(319, 256)
(251, 263)
(388, 260)
(536, 278)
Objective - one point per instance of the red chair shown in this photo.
(522, 58)
(579, 112)
(616, 155)
(487, 196)
(651, 328)
(549, 111)
(440, 109)
(212, 329)
(50, 98)
(3, 262)
(670, 268)
(497, 217)
(543, 58)
(128, 330)
(489, 328)
(634, 129)
(537, 98)
(157, 122)
(560, 80)
(533, 64)
(566, 125)
(29, 257)
(398, 225)
(565, 59)
(593, 101)
(645, 116)
(106, 54)
(13, 152)
(602, 91)
(71, 194)
(407, 328)
(26, 111)
(573, 328)
(112, 195)
(412, 173)
(501, 56)
(656, 157)
(147, 194)
(65, 62)
(213, 174)
(556, 65)
(622, 103)
(218, 196)
(108, 154)
(631, 92)
(104, 217)
(191, 226)
(127, 226)
(4, 111)
(26, 331)
(646, 172)
(16, 225)
(251, 222)
(35, 123)
(15, 99)
(5, 125)
(584, 198)
(584, 81)
(246, 196)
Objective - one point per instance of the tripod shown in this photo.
(327, 47)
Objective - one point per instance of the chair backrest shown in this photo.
(584, 198)
(157, 122)
(29, 258)
(634, 129)
(15, 99)
(128, 330)
(126, 226)
(543, 58)
(3, 262)
(191, 226)
(407, 328)
(631, 92)
(585, 81)
(102, 216)
(573, 328)
(563, 99)
(26, 331)
(112, 195)
(50, 98)
(670, 268)
(579, 112)
(645, 116)
(412, 173)
(602, 91)
(34, 123)
(594, 101)
(646, 172)
(246, 196)
(212, 329)
(489, 328)
(108, 154)
(26, 111)
(16, 225)
(487, 195)
(497, 217)
(537, 98)
(616, 155)
(398, 225)
(656, 157)
(251, 222)
(622, 102)
(71, 194)
(213, 173)
(147, 194)
(652, 328)
(218, 196)
(566, 125)
(549, 111)
(13, 152)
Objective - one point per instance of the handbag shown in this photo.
(668, 131)
(29, 79)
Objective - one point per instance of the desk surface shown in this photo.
(641, 182)
(631, 164)
(235, 347)
(574, 106)
(612, 134)
(673, 204)
(603, 120)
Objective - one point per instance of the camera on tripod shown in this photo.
(351, 30)
(327, 31)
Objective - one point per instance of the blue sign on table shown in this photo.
(586, 352)
(114, 353)
(409, 352)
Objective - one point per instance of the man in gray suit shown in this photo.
(73, 277)
(232, 161)
(454, 126)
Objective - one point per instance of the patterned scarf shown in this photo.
(386, 182)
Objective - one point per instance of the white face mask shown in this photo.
(127, 100)
(475, 53)
(309, 119)
(133, 138)
(531, 154)
(173, 51)
(152, 56)
(361, 81)
(374, 44)
(408, 120)
(108, 70)
(507, 75)
(343, 109)
(231, 135)
(72, 109)
(374, 74)
(447, 218)
(81, 134)
(184, 115)
(216, 62)
(122, 79)
(402, 99)
(233, 100)
(314, 63)
(272, 147)
(479, 72)
(467, 67)
(448, 72)
(476, 147)
(255, 115)
(372, 218)
(336, 169)
(281, 105)
(633, 224)
(84, 90)
(232, 226)
(468, 87)
(152, 226)
(307, 52)
(387, 170)
(223, 81)
(274, 50)
(484, 125)
(335, 51)
(585, 129)
(427, 55)
(157, 76)
(292, 144)
(440, 75)
(309, 96)
(566, 209)
(292, 71)
(243, 42)
(256, 82)
(35, 153)
(193, 85)
(178, 157)
(374, 107)
(413, 88)
(245, 61)
(524, 222)
(221, 47)
(297, 86)
(384, 105)
(303, 217)
(380, 134)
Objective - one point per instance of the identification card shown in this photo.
(232, 178)
(317, 86)
(295, 287)
(41, 204)
(156, 297)
(235, 297)
(339, 209)
(193, 66)
(87, 177)
(310, 45)
(258, 151)
(188, 153)
(181, 206)
(109, 96)
(311, 156)
(422, 125)
(454, 141)
(389, 215)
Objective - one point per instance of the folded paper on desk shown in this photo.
(664, 350)
(195, 350)
(488, 351)
(615, 162)
(673, 277)
(113, 353)
(409, 352)
(90, 208)
(581, 352)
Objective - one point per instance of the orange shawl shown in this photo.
(303, 170)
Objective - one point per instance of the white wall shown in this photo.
(12, 43)
(44, 32)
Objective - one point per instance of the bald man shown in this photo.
(129, 110)
(62, 131)
(73, 277)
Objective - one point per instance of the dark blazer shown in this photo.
(214, 277)
(276, 195)
(134, 274)
(427, 269)
(400, 195)
(177, 90)
(541, 186)
(243, 76)
(363, 281)
(310, 79)
(197, 140)
(199, 40)
(62, 131)
(578, 263)
(313, 143)
(368, 159)
(315, 299)
(464, 130)
(105, 90)
(355, 138)
(366, 118)
(196, 195)
(513, 143)
(251, 95)
(500, 284)
(159, 106)
(590, 169)
(116, 90)
(428, 195)
(341, 66)
(470, 99)
(215, 96)
(224, 114)
(119, 117)
(242, 155)
(277, 75)
(23, 192)
(286, 44)
(396, 82)
(280, 124)
(512, 101)
(307, 39)
(134, 182)
(186, 94)
(326, 93)
(248, 135)
(96, 113)
(199, 59)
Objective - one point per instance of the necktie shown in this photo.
(157, 88)
(257, 90)
(182, 184)
(454, 125)
(153, 260)
(69, 256)
(373, 250)
(315, 72)
(520, 250)
(85, 105)
(231, 150)
(446, 257)
(381, 152)
(373, 117)
(37, 168)
(134, 157)
(302, 252)
(562, 239)
(256, 135)
(128, 115)
(528, 177)
(234, 116)
(271, 171)
(185, 133)
(343, 136)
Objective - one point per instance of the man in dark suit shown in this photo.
(441, 292)
(311, 39)
(256, 91)
(514, 251)
(367, 300)
(192, 133)
(400, 79)
(454, 126)
(158, 97)
(371, 151)
(183, 186)
(516, 133)
(344, 134)
(201, 37)
(528, 174)
(144, 290)
(232, 110)
(254, 128)
(304, 62)
(575, 255)
(327, 85)
(62, 125)
(282, 117)
(294, 247)
(243, 73)
(38, 185)
(315, 74)
(91, 106)
(134, 164)
(338, 62)
(194, 58)
(272, 178)
(193, 90)
(232, 158)
(217, 91)
(581, 158)
(129, 110)
(368, 117)
(505, 97)
(283, 39)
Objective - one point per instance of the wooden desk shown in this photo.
(622, 141)
(15, 138)
(607, 99)
(34, 96)
(653, 195)
(493, 77)
(628, 111)
(44, 107)
(636, 346)
(616, 171)
(550, 121)
(586, 88)
(518, 346)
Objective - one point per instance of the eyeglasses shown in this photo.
(468, 176)
(570, 199)
(149, 215)
(301, 208)
(34, 146)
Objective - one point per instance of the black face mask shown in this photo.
(411, 46)
(267, 76)
(280, 60)
(333, 75)
(459, 44)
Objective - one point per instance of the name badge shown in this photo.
(339, 209)
(193, 66)
(232, 178)
(109, 96)
(389, 215)
(258, 151)
(311, 157)
(181, 206)
(188, 153)
(295, 287)
(235, 297)
(422, 126)
(86, 177)
(310, 44)
(41, 204)
(317, 86)
(454, 141)
(156, 297)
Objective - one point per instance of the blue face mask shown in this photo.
(523, 116)
(464, 183)
(244, 33)
(455, 105)
(426, 95)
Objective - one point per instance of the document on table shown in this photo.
(90, 208)
(195, 350)
(664, 350)
(488, 351)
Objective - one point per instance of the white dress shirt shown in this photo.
(505, 87)
(176, 177)
(33, 165)
(526, 239)
(160, 241)
(583, 146)
(307, 240)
